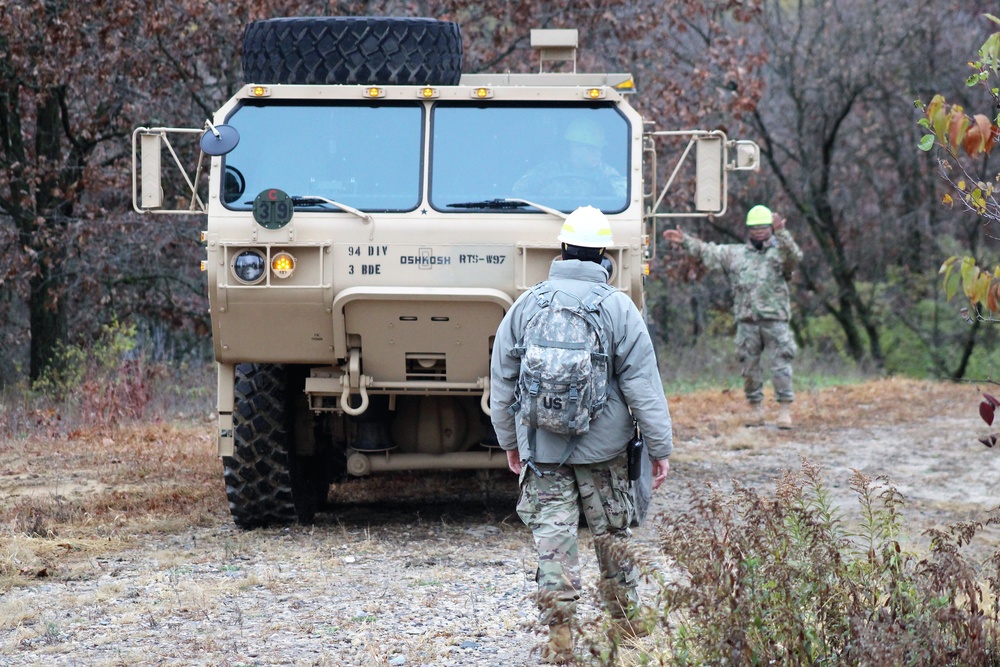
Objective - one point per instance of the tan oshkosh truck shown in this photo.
(372, 214)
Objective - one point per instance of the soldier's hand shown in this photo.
(514, 461)
(673, 235)
(661, 469)
(778, 222)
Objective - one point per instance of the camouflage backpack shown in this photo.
(563, 382)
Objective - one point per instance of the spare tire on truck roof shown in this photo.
(352, 50)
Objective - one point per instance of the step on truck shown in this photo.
(372, 212)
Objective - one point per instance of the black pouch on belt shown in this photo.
(634, 453)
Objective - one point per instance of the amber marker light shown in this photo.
(626, 86)
(374, 92)
(282, 265)
(260, 91)
(594, 93)
(427, 93)
(645, 268)
(482, 93)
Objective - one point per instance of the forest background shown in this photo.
(825, 87)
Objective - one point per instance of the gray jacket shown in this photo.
(635, 378)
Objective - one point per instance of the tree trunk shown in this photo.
(47, 320)
(46, 302)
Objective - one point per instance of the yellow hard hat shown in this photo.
(586, 227)
(759, 215)
(585, 132)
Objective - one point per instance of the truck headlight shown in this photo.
(282, 264)
(249, 266)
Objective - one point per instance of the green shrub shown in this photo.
(786, 580)
(110, 381)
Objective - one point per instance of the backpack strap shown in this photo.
(595, 297)
(542, 292)
(592, 309)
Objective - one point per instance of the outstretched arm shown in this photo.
(674, 235)
(790, 252)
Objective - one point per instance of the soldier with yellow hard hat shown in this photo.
(758, 272)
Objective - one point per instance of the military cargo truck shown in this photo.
(372, 212)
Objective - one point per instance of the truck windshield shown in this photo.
(558, 156)
(365, 156)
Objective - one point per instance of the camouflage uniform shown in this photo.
(551, 505)
(594, 479)
(761, 305)
(562, 179)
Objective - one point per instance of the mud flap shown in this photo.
(225, 441)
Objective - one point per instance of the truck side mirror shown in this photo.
(151, 191)
(219, 139)
(747, 155)
(148, 147)
(709, 177)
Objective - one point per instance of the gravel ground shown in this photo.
(408, 582)
(427, 588)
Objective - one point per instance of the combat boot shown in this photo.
(784, 416)
(559, 649)
(756, 415)
(626, 628)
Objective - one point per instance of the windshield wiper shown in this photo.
(509, 203)
(491, 204)
(525, 202)
(318, 201)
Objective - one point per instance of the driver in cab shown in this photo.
(579, 172)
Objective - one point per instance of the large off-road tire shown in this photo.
(265, 481)
(352, 50)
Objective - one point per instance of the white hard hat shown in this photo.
(586, 227)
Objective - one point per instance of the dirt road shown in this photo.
(117, 548)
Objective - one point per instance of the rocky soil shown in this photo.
(109, 560)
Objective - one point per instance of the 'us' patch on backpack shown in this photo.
(563, 382)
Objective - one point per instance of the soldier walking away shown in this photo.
(584, 467)
(758, 273)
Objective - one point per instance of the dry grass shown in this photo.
(122, 502)
(93, 492)
(72, 499)
(889, 401)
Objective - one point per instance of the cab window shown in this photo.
(558, 156)
(366, 156)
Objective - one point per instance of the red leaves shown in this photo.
(954, 129)
(987, 410)
(980, 136)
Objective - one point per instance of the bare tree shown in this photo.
(839, 73)
(76, 78)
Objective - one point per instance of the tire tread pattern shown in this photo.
(259, 475)
(352, 50)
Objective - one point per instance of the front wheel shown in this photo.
(265, 481)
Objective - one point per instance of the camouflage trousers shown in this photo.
(551, 505)
(752, 338)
